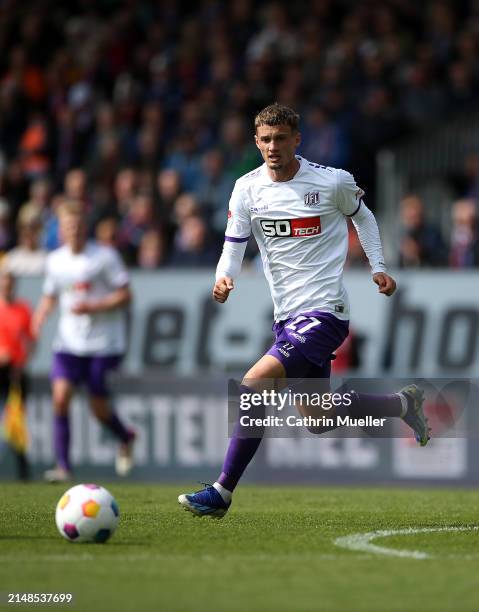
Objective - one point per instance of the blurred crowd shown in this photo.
(143, 110)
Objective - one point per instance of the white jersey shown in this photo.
(301, 230)
(77, 277)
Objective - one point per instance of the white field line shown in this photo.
(363, 541)
(358, 542)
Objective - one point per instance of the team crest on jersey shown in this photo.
(311, 199)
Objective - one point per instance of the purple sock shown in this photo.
(117, 428)
(241, 449)
(239, 454)
(376, 406)
(61, 435)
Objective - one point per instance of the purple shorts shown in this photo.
(305, 343)
(90, 370)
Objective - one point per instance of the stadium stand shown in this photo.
(119, 104)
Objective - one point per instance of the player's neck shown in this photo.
(286, 173)
(77, 247)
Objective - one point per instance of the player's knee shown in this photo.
(100, 408)
(61, 403)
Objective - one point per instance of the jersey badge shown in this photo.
(311, 199)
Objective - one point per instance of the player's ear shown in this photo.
(298, 138)
(256, 141)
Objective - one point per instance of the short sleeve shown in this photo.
(348, 194)
(50, 287)
(238, 228)
(115, 270)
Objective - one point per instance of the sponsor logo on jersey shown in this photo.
(259, 209)
(291, 228)
(82, 286)
(311, 199)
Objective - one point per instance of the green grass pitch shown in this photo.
(274, 551)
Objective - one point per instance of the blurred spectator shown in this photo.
(185, 159)
(194, 246)
(106, 232)
(464, 246)
(35, 147)
(277, 35)
(6, 235)
(169, 188)
(51, 234)
(214, 187)
(152, 250)
(186, 205)
(28, 258)
(75, 185)
(239, 151)
(40, 194)
(139, 219)
(421, 243)
(15, 184)
(323, 140)
(125, 189)
(471, 176)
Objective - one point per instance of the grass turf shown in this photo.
(274, 551)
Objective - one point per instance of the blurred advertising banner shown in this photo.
(430, 327)
(182, 426)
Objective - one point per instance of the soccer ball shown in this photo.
(87, 513)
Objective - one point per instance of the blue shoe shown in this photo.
(415, 416)
(207, 502)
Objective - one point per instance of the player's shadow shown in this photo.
(54, 538)
(22, 536)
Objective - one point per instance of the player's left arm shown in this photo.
(350, 203)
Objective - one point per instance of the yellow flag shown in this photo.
(14, 420)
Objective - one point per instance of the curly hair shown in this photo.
(277, 114)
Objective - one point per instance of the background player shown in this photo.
(297, 212)
(91, 284)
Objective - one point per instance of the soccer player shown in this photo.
(297, 211)
(91, 285)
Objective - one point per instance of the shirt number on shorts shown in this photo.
(313, 321)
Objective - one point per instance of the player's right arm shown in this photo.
(238, 231)
(44, 309)
(48, 300)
